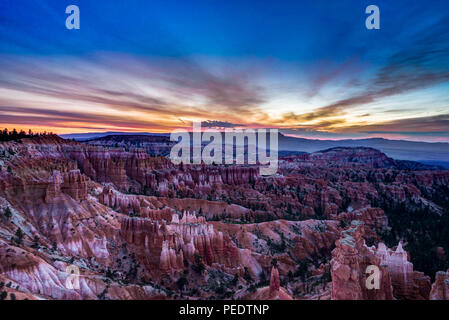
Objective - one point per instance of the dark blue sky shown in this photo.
(288, 30)
(310, 67)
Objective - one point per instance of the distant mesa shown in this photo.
(436, 154)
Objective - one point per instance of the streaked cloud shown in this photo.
(159, 69)
(220, 124)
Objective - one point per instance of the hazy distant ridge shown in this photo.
(430, 153)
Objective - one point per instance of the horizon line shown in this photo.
(109, 133)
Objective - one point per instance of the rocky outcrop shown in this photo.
(72, 183)
(350, 260)
(181, 240)
(53, 190)
(275, 283)
(407, 284)
(360, 155)
(289, 241)
(397, 277)
(373, 218)
(440, 288)
(273, 292)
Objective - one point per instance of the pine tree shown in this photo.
(247, 275)
(19, 236)
(8, 213)
(182, 282)
(35, 242)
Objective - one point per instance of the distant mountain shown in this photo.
(153, 144)
(95, 135)
(425, 152)
(131, 138)
(371, 156)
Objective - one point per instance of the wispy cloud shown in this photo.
(419, 65)
(438, 124)
(294, 72)
(160, 88)
(220, 124)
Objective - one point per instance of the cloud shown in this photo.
(67, 119)
(421, 64)
(431, 128)
(164, 88)
(438, 124)
(326, 123)
(220, 124)
(328, 118)
(324, 73)
(139, 91)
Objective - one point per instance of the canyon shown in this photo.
(136, 226)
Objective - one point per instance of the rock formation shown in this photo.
(407, 284)
(139, 227)
(273, 292)
(350, 260)
(440, 288)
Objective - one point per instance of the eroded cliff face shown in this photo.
(350, 260)
(350, 270)
(138, 227)
(407, 283)
(167, 247)
(440, 288)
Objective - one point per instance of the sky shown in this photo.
(310, 68)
